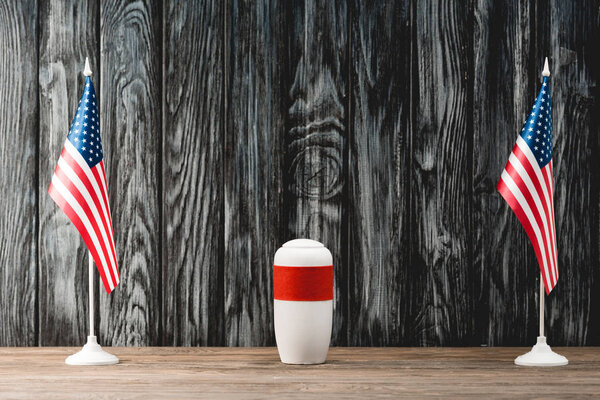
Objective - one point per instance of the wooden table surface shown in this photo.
(256, 373)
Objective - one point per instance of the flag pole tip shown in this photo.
(87, 71)
(546, 71)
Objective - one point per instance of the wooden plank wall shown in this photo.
(131, 109)
(63, 300)
(506, 68)
(19, 225)
(377, 127)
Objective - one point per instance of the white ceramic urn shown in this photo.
(303, 301)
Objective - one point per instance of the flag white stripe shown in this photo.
(534, 165)
(103, 182)
(522, 172)
(551, 189)
(536, 169)
(73, 152)
(65, 194)
(514, 189)
(102, 179)
(64, 166)
(552, 241)
(546, 172)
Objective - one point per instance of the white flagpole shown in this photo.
(87, 71)
(542, 294)
(545, 72)
(92, 353)
(91, 282)
(541, 355)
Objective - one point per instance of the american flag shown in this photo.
(526, 184)
(79, 187)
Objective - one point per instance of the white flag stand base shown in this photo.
(92, 354)
(541, 355)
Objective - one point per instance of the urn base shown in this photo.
(303, 330)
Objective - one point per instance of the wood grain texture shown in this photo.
(575, 66)
(441, 203)
(130, 110)
(257, 373)
(252, 169)
(505, 274)
(192, 197)
(18, 163)
(315, 168)
(63, 257)
(379, 164)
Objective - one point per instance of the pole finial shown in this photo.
(546, 71)
(87, 71)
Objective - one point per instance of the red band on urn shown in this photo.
(303, 283)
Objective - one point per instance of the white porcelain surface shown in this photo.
(303, 330)
(303, 253)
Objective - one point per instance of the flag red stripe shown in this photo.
(103, 261)
(525, 177)
(547, 172)
(551, 174)
(545, 199)
(525, 192)
(518, 153)
(72, 215)
(77, 169)
(99, 188)
(100, 194)
(545, 195)
(537, 173)
(99, 175)
(545, 183)
(516, 207)
(77, 186)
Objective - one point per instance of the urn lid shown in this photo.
(303, 253)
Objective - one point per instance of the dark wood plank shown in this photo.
(18, 159)
(63, 257)
(192, 245)
(257, 373)
(252, 168)
(574, 32)
(378, 176)
(315, 169)
(130, 111)
(505, 274)
(441, 300)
